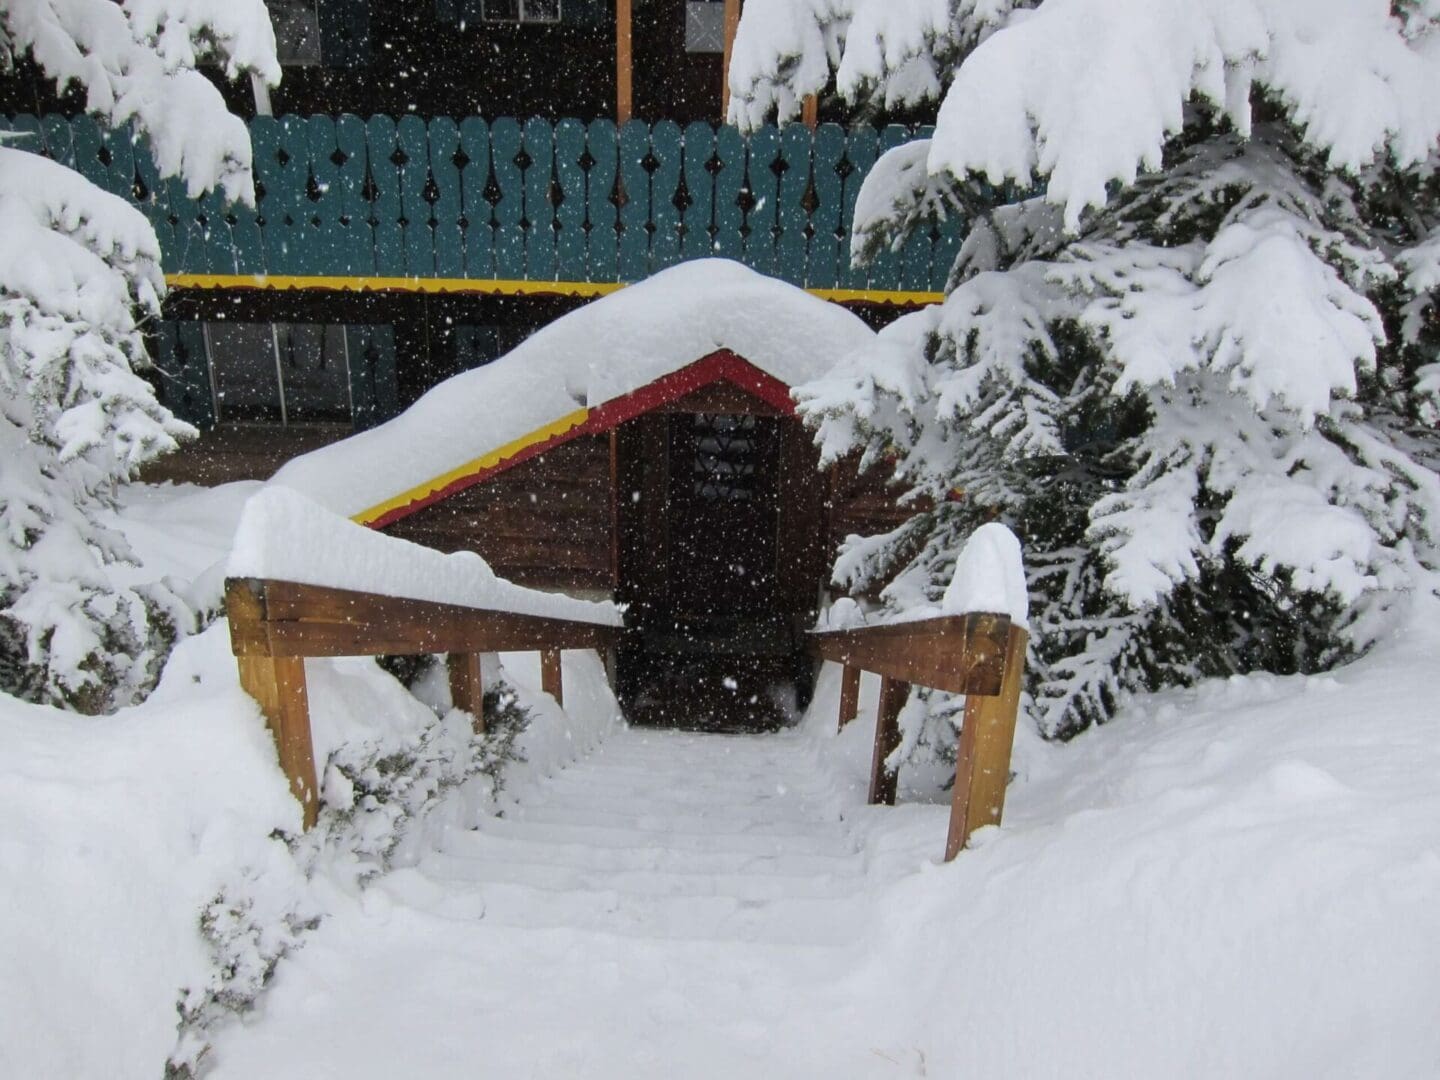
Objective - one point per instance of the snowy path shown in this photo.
(668, 906)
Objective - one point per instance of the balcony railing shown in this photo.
(346, 202)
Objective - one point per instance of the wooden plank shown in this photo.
(861, 145)
(698, 217)
(570, 244)
(849, 695)
(732, 23)
(384, 185)
(826, 256)
(538, 139)
(602, 251)
(358, 236)
(551, 680)
(958, 653)
(412, 173)
(635, 213)
(810, 111)
(624, 63)
(476, 213)
(764, 186)
(884, 780)
(467, 687)
(982, 767)
(506, 141)
(666, 147)
(792, 247)
(278, 685)
(730, 151)
(283, 618)
(444, 143)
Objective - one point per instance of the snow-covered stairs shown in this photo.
(672, 836)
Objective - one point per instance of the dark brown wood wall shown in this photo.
(547, 522)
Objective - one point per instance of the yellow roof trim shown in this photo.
(470, 468)
(496, 287)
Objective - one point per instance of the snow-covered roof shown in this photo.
(556, 383)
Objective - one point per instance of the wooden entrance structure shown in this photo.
(697, 501)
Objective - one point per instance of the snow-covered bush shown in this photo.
(1187, 348)
(79, 276)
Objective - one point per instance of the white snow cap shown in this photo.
(990, 576)
(285, 536)
(595, 354)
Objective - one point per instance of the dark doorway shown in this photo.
(712, 640)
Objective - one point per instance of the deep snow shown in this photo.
(1240, 879)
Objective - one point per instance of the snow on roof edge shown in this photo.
(603, 350)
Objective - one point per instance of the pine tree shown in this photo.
(79, 276)
(1187, 348)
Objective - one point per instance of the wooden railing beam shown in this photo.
(278, 686)
(467, 688)
(849, 695)
(274, 625)
(982, 766)
(883, 778)
(551, 680)
(959, 653)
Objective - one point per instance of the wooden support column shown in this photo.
(467, 688)
(277, 683)
(810, 111)
(624, 65)
(732, 23)
(550, 679)
(849, 694)
(982, 768)
(893, 694)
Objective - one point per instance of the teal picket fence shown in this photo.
(512, 200)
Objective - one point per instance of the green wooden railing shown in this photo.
(516, 201)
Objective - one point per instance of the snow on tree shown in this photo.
(79, 276)
(1188, 347)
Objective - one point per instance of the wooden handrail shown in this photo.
(981, 656)
(275, 625)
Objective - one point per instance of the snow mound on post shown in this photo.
(285, 536)
(990, 576)
(595, 354)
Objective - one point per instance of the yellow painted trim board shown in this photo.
(485, 461)
(494, 287)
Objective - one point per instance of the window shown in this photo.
(525, 11)
(279, 372)
(705, 26)
(297, 30)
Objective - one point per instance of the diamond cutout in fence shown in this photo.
(460, 158)
(399, 158)
(338, 157)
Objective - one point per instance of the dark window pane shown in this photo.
(297, 30)
(313, 371)
(503, 10)
(242, 361)
(540, 10)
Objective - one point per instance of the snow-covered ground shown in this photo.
(1240, 879)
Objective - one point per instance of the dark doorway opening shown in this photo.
(714, 618)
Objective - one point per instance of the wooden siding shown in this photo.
(343, 199)
(546, 522)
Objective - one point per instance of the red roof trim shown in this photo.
(722, 365)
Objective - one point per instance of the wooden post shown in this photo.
(550, 679)
(623, 62)
(849, 694)
(277, 683)
(883, 780)
(732, 23)
(467, 688)
(982, 768)
(810, 111)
